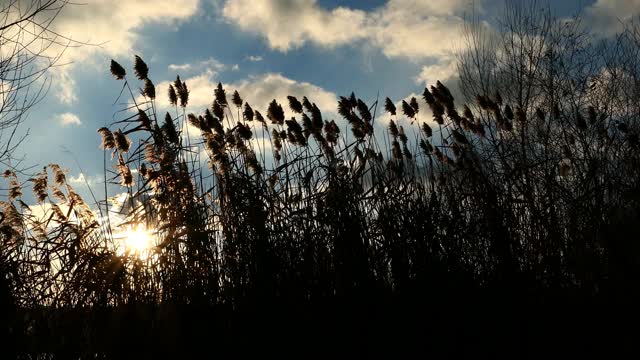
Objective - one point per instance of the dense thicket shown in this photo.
(502, 227)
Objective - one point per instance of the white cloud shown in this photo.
(69, 119)
(81, 179)
(401, 28)
(182, 67)
(289, 24)
(114, 23)
(417, 29)
(443, 70)
(111, 27)
(208, 64)
(66, 85)
(254, 58)
(606, 17)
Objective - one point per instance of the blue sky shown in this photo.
(264, 48)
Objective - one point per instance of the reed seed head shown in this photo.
(123, 144)
(117, 70)
(236, 99)
(149, 89)
(247, 113)
(275, 113)
(169, 129)
(414, 104)
(173, 96)
(220, 95)
(294, 104)
(389, 106)
(108, 141)
(140, 68)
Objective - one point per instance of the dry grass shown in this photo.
(491, 201)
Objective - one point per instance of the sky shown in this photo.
(265, 49)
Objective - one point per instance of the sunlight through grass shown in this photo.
(135, 240)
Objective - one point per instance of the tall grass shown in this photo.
(290, 222)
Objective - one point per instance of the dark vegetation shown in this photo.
(504, 227)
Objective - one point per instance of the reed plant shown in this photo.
(426, 215)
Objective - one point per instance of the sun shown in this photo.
(136, 240)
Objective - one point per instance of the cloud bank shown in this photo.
(401, 28)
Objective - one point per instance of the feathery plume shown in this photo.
(275, 113)
(428, 97)
(244, 132)
(405, 151)
(15, 189)
(307, 104)
(258, 117)
(220, 95)
(331, 131)
(247, 113)
(344, 108)
(195, 122)
(140, 68)
(183, 94)
(393, 129)
(58, 174)
(352, 100)
(117, 70)
(426, 147)
(459, 138)
(427, 130)
(389, 106)
(396, 150)
(316, 118)
(145, 122)
(363, 110)
(294, 104)
(218, 110)
(408, 110)
(307, 126)
(173, 97)
(277, 144)
(122, 142)
(402, 135)
(236, 99)
(169, 129)
(149, 89)
(40, 186)
(108, 141)
(126, 177)
(414, 104)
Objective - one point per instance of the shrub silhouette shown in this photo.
(480, 224)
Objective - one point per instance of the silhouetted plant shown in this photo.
(527, 193)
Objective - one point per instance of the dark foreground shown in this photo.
(453, 323)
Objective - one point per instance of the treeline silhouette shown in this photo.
(505, 227)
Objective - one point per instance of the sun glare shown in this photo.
(136, 240)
